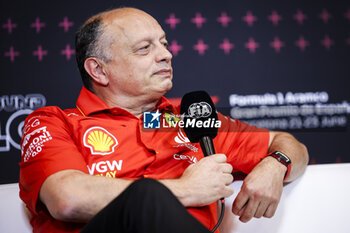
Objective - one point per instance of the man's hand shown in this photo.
(204, 182)
(261, 191)
(262, 188)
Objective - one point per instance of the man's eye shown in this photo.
(143, 50)
(165, 44)
(144, 47)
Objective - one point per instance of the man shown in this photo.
(80, 165)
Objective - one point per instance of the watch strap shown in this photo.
(284, 159)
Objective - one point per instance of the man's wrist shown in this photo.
(283, 160)
(181, 192)
(276, 166)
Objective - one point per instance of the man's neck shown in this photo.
(136, 105)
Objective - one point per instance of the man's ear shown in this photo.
(95, 69)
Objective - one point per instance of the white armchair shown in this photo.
(319, 201)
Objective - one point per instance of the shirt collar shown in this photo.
(89, 103)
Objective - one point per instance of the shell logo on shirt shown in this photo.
(100, 141)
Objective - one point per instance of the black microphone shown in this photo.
(201, 125)
(200, 120)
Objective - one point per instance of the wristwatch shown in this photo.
(282, 158)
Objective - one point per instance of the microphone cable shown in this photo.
(222, 212)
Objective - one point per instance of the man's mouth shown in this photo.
(163, 72)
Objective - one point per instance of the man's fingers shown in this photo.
(242, 210)
(261, 209)
(226, 168)
(228, 191)
(270, 212)
(220, 158)
(239, 203)
(249, 211)
(228, 179)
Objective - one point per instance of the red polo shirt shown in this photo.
(111, 142)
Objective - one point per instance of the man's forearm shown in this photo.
(72, 195)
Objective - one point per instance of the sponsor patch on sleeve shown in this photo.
(34, 141)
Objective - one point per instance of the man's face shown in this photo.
(141, 64)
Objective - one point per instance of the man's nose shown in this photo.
(164, 54)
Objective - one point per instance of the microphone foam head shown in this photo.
(199, 115)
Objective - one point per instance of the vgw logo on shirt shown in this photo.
(151, 120)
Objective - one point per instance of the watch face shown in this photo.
(283, 157)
